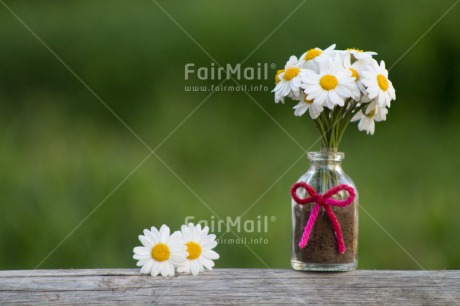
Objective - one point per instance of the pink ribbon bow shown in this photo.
(325, 201)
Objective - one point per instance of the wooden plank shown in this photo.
(229, 286)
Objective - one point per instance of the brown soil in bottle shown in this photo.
(322, 244)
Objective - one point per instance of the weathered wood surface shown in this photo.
(229, 286)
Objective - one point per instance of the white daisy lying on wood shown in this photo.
(161, 252)
(199, 247)
(188, 251)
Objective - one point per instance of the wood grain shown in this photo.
(229, 286)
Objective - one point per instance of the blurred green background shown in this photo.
(63, 153)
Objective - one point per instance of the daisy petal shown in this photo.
(147, 268)
(194, 268)
(207, 263)
(155, 270)
(148, 234)
(164, 233)
(145, 241)
(155, 232)
(210, 254)
(164, 270)
(141, 251)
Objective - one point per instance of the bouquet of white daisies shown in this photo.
(336, 87)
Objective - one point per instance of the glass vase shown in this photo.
(321, 251)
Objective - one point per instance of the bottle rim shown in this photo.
(325, 155)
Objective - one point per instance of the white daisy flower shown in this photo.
(331, 86)
(312, 57)
(160, 252)
(289, 80)
(378, 86)
(304, 105)
(372, 114)
(199, 247)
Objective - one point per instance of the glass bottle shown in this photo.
(321, 252)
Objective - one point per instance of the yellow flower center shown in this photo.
(160, 252)
(371, 114)
(193, 249)
(277, 76)
(354, 49)
(307, 101)
(328, 82)
(291, 73)
(312, 53)
(354, 73)
(382, 81)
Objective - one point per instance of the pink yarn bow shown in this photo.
(325, 201)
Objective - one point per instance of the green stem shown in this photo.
(348, 116)
(324, 122)
(320, 126)
(333, 123)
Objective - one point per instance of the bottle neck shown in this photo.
(326, 165)
(325, 149)
(326, 160)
